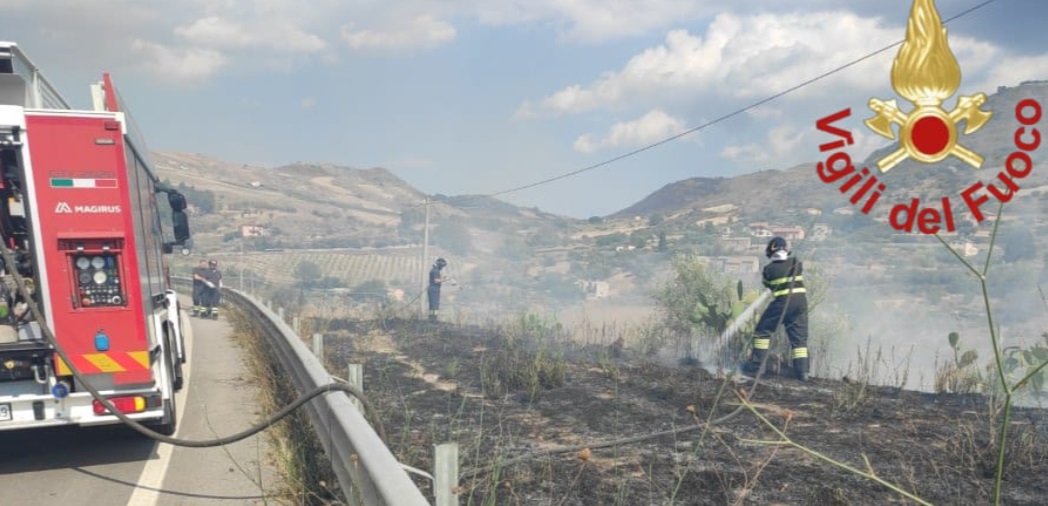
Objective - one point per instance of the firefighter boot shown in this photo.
(214, 313)
(800, 368)
(753, 367)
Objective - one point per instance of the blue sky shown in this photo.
(478, 96)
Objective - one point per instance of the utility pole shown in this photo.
(425, 258)
(241, 259)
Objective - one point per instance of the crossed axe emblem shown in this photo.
(967, 110)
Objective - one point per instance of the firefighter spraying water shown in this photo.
(784, 278)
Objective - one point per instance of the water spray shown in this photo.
(738, 322)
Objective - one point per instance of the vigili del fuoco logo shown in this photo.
(926, 74)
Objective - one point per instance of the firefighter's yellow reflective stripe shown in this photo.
(761, 344)
(104, 362)
(787, 291)
(800, 353)
(785, 280)
(140, 357)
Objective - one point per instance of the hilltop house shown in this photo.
(253, 231)
(734, 264)
(740, 264)
(760, 229)
(595, 289)
(739, 244)
(789, 233)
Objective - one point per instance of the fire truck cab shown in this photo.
(87, 223)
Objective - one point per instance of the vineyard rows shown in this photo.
(353, 268)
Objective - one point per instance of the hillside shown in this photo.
(362, 226)
(308, 201)
(359, 226)
(686, 199)
(799, 186)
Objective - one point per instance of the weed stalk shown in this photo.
(1009, 390)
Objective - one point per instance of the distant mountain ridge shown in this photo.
(799, 186)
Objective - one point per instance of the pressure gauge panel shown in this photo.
(97, 280)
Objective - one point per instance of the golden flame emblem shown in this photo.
(926, 73)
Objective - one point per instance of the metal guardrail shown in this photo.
(366, 469)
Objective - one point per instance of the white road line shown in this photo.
(151, 481)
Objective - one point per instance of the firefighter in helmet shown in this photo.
(789, 307)
(436, 278)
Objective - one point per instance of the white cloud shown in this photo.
(220, 33)
(652, 127)
(739, 60)
(181, 65)
(789, 141)
(1010, 71)
(308, 103)
(782, 140)
(423, 31)
(215, 31)
(593, 20)
(766, 112)
(738, 57)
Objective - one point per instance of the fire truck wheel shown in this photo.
(179, 377)
(170, 411)
(176, 369)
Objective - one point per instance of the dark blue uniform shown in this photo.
(433, 292)
(789, 306)
(212, 295)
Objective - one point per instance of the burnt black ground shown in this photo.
(435, 384)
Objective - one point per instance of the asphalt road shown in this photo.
(116, 466)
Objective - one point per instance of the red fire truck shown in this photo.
(82, 220)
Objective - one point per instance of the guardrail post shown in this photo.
(355, 377)
(446, 474)
(280, 313)
(318, 347)
(295, 324)
(365, 468)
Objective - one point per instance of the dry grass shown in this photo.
(306, 476)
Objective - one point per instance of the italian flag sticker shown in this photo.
(82, 183)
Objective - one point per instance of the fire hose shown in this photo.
(49, 337)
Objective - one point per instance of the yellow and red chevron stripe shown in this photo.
(109, 362)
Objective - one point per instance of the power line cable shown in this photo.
(710, 123)
(8, 257)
